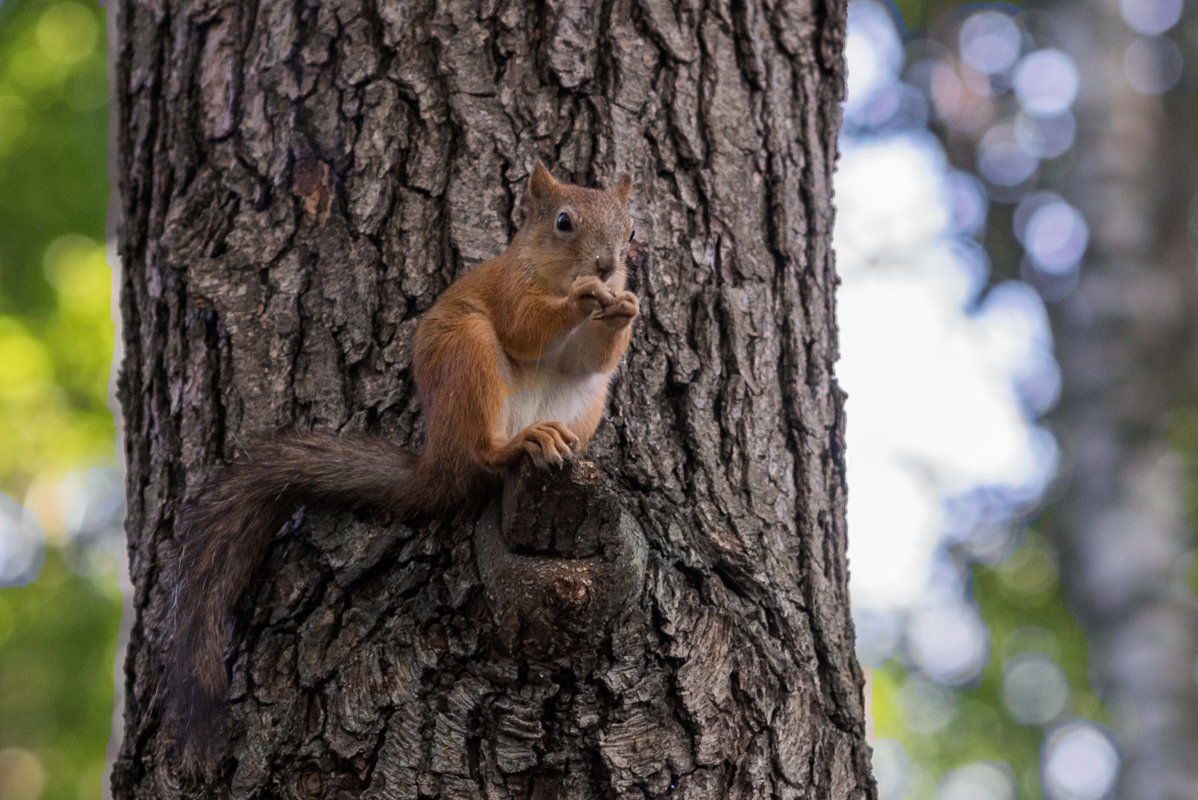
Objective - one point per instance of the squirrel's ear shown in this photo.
(541, 184)
(624, 188)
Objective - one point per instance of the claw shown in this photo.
(548, 444)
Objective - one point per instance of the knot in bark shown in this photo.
(560, 558)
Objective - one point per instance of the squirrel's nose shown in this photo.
(605, 266)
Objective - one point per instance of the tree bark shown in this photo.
(299, 182)
(1126, 344)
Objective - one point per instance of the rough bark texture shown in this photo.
(1126, 343)
(299, 181)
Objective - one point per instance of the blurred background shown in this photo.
(1015, 235)
(60, 492)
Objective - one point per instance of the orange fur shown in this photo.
(537, 319)
(512, 361)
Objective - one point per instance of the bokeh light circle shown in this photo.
(1055, 235)
(1046, 82)
(985, 780)
(1045, 137)
(1153, 64)
(949, 642)
(967, 203)
(22, 774)
(22, 544)
(1035, 688)
(925, 707)
(989, 41)
(1150, 17)
(1078, 761)
(1001, 160)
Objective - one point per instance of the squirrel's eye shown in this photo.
(632, 235)
(563, 223)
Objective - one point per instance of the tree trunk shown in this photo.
(1126, 343)
(299, 182)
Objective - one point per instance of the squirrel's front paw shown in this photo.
(547, 443)
(590, 293)
(623, 308)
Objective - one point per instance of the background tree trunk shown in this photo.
(299, 182)
(1126, 344)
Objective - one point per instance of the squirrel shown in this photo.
(512, 361)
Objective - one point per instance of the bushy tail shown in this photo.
(224, 535)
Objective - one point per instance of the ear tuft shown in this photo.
(541, 184)
(623, 188)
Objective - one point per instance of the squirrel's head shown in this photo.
(570, 230)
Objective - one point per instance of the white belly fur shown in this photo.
(561, 400)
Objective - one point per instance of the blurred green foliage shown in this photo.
(58, 634)
(1024, 608)
(53, 140)
(56, 331)
(1183, 438)
(57, 638)
(922, 14)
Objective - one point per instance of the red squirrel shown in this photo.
(513, 360)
